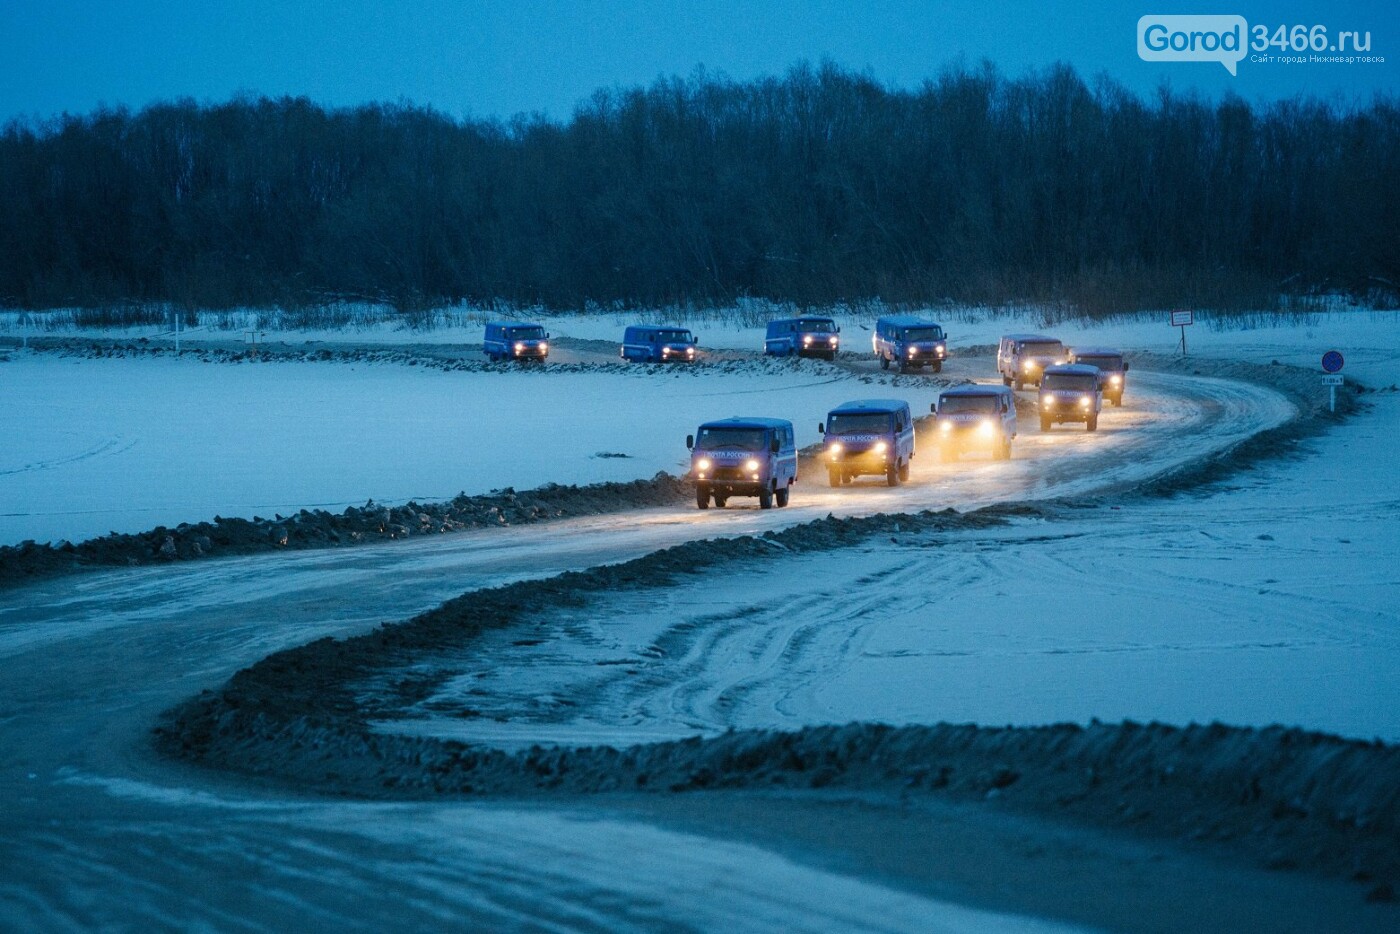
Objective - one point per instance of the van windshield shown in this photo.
(1042, 348)
(953, 405)
(526, 334)
(1105, 363)
(1084, 382)
(923, 334)
(674, 337)
(858, 423)
(736, 439)
(817, 325)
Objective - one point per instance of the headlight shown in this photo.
(751, 464)
(835, 449)
(1030, 365)
(986, 429)
(1115, 380)
(519, 347)
(1084, 402)
(1049, 402)
(807, 339)
(881, 447)
(690, 351)
(703, 464)
(543, 346)
(665, 351)
(833, 341)
(913, 351)
(940, 351)
(945, 426)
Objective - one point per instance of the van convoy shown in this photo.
(975, 417)
(868, 436)
(743, 457)
(1113, 369)
(643, 343)
(804, 337)
(910, 343)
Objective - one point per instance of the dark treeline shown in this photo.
(816, 187)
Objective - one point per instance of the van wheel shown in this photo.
(936, 366)
(1117, 400)
(1044, 423)
(1093, 423)
(904, 472)
(721, 500)
(1020, 384)
(782, 497)
(884, 362)
(702, 496)
(1006, 381)
(765, 499)
(833, 476)
(1002, 452)
(892, 474)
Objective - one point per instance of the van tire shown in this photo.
(1044, 423)
(702, 496)
(1117, 400)
(782, 497)
(892, 474)
(1020, 384)
(937, 366)
(1006, 381)
(833, 476)
(884, 362)
(765, 499)
(1093, 423)
(1003, 450)
(904, 472)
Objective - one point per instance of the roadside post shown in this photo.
(1180, 319)
(24, 330)
(175, 318)
(1332, 363)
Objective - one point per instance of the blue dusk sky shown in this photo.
(496, 59)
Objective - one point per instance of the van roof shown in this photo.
(1072, 369)
(909, 321)
(870, 405)
(802, 318)
(748, 421)
(1028, 337)
(977, 389)
(512, 324)
(657, 327)
(1097, 352)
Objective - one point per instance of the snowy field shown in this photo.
(100, 445)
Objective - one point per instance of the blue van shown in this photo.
(743, 457)
(1113, 369)
(975, 417)
(512, 340)
(1070, 392)
(645, 343)
(806, 337)
(868, 436)
(910, 342)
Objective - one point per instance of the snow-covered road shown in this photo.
(97, 833)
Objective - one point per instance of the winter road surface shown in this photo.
(98, 833)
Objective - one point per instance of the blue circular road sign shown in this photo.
(1332, 361)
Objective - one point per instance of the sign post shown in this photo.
(1332, 363)
(1180, 319)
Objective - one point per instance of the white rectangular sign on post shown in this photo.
(1337, 380)
(1181, 319)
